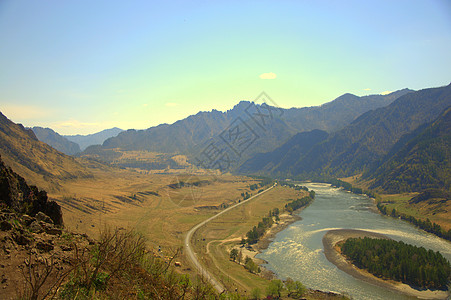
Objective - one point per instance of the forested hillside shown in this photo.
(423, 162)
(367, 142)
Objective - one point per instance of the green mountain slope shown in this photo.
(423, 162)
(361, 145)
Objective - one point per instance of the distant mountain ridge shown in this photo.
(57, 141)
(84, 141)
(374, 141)
(195, 133)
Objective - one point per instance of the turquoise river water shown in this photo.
(297, 251)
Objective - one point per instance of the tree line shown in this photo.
(258, 231)
(427, 225)
(399, 261)
(296, 204)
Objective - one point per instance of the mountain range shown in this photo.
(267, 127)
(397, 142)
(73, 144)
(375, 142)
(84, 141)
(422, 161)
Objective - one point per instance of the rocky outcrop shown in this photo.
(34, 244)
(17, 195)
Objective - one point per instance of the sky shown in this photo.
(80, 66)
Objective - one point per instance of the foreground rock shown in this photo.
(24, 249)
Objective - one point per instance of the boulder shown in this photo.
(22, 239)
(52, 230)
(5, 225)
(44, 246)
(40, 216)
(36, 227)
(27, 220)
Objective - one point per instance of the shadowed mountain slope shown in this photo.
(55, 140)
(423, 162)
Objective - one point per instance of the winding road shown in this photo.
(192, 255)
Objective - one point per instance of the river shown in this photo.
(297, 251)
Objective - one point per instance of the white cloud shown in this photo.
(386, 92)
(367, 89)
(171, 104)
(268, 75)
(73, 124)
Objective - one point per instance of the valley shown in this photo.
(165, 195)
(225, 150)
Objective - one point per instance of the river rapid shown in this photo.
(297, 251)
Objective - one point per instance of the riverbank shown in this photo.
(286, 219)
(332, 253)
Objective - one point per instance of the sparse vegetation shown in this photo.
(119, 266)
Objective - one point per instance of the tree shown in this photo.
(299, 289)
(251, 266)
(233, 254)
(295, 288)
(289, 284)
(240, 257)
(275, 288)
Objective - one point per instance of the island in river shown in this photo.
(332, 253)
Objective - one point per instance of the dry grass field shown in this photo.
(163, 207)
(153, 204)
(214, 241)
(436, 211)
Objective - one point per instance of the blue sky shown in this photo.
(83, 66)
